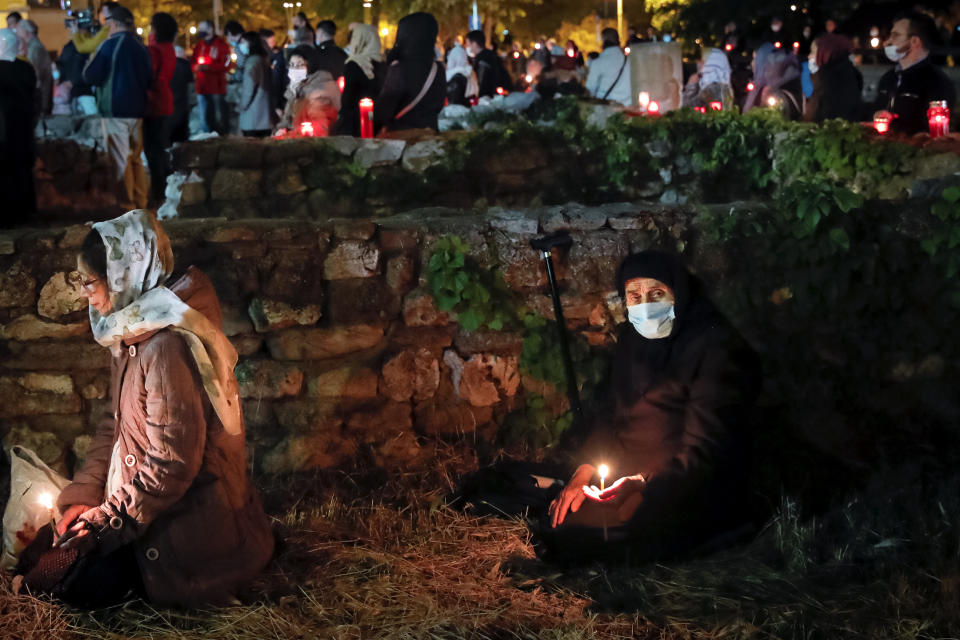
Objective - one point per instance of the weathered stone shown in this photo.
(93, 388)
(81, 446)
(352, 259)
(62, 294)
(296, 236)
(17, 400)
(361, 300)
(235, 184)
(400, 274)
(937, 165)
(284, 179)
(17, 287)
(268, 379)
(279, 151)
(572, 216)
(316, 344)
(305, 452)
(488, 341)
(230, 233)
(451, 419)
(398, 239)
(269, 315)
(292, 276)
(246, 345)
(381, 423)
(241, 154)
(310, 415)
(419, 156)
(436, 339)
(45, 444)
(353, 229)
(7, 246)
(51, 382)
(481, 376)
(65, 426)
(196, 155)
(234, 319)
(411, 375)
(345, 382)
(419, 310)
(511, 221)
(344, 145)
(374, 152)
(73, 237)
(33, 356)
(193, 193)
(593, 260)
(402, 450)
(30, 327)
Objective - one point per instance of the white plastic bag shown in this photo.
(32, 484)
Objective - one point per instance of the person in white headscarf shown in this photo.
(169, 461)
(461, 79)
(711, 83)
(18, 116)
(362, 73)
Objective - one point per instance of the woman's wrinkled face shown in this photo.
(642, 290)
(94, 289)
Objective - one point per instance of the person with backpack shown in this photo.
(609, 77)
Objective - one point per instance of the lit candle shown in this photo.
(777, 45)
(516, 54)
(728, 47)
(603, 470)
(881, 123)
(938, 117)
(750, 86)
(46, 501)
(201, 60)
(366, 118)
(643, 100)
(716, 105)
(341, 82)
(653, 107)
(501, 91)
(771, 101)
(306, 128)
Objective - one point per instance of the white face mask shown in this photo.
(296, 76)
(892, 52)
(652, 320)
(812, 65)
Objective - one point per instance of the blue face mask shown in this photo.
(244, 48)
(652, 320)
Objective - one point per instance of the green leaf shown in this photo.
(839, 237)
(470, 319)
(951, 194)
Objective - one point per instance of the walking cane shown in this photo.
(544, 245)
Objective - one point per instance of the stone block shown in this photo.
(235, 320)
(49, 382)
(377, 152)
(293, 276)
(93, 385)
(246, 345)
(32, 356)
(46, 445)
(235, 184)
(513, 221)
(73, 237)
(7, 246)
(193, 193)
(360, 300)
(305, 452)
(241, 154)
(310, 415)
(296, 235)
(399, 239)
(434, 338)
(353, 229)
(450, 419)
(419, 310)
(80, 447)
(284, 179)
(401, 450)
(401, 274)
(381, 423)
(268, 379)
(196, 155)
(936, 165)
(421, 155)
(593, 260)
(344, 145)
(352, 259)
(480, 379)
(66, 427)
(270, 315)
(316, 344)
(280, 151)
(410, 375)
(489, 341)
(17, 287)
(355, 383)
(230, 233)
(17, 400)
(573, 217)
(30, 327)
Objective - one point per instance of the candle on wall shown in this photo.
(366, 118)
(938, 117)
(653, 108)
(716, 105)
(881, 123)
(643, 99)
(306, 128)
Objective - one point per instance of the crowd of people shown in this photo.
(311, 86)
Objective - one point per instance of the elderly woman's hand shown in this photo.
(572, 495)
(617, 492)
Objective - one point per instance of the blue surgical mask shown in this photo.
(244, 48)
(652, 320)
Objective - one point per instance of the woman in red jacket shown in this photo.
(156, 122)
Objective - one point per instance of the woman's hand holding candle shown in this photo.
(69, 516)
(617, 492)
(572, 495)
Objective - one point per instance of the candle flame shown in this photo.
(772, 101)
(45, 500)
(603, 470)
(653, 107)
(643, 99)
(306, 128)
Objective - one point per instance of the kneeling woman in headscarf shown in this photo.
(676, 440)
(163, 505)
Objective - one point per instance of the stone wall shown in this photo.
(343, 354)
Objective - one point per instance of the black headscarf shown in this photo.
(642, 359)
(416, 37)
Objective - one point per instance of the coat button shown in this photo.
(116, 522)
(133, 351)
(129, 460)
(152, 554)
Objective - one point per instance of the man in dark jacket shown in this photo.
(121, 74)
(180, 86)
(905, 92)
(18, 116)
(677, 440)
(332, 57)
(491, 73)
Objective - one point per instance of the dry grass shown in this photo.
(365, 558)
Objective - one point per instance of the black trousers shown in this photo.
(156, 142)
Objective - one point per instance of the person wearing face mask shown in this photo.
(676, 440)
(905, 92)
(836, 82)
(211, 59)
(711, 83)
(256, 94)
(156, 120)
(312, 96)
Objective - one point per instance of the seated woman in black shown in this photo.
(676, 442)
(361, 73)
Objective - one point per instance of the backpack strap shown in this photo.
(423, 92)
(617, 79)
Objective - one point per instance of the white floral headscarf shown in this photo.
(139, 262)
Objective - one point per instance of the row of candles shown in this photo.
(938, 119)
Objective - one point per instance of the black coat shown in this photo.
(411, 62)
(18, 117)
(331, 58)
(836, 92)
(491, 73)
(356, 86)
(908, 93)
(71, 63)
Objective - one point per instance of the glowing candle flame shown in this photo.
(626, 50)
(603, 471)
(750, 86)
(643, 99)
(716, 105)
(516, 54)
(528, 78)
(777, 45)
(45, 500)
(306, 128)
(501, 91)
(653, 107)
(772, 101)
(571, 53)
(728, 47)
(341, 83)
